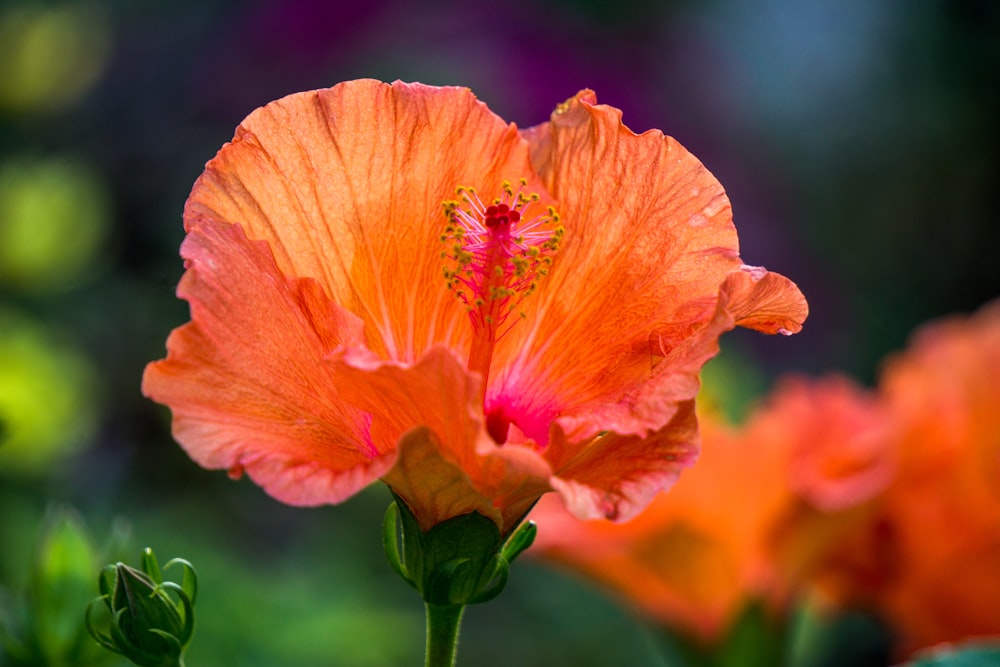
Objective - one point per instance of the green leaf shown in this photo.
(846, 637)
(754, 639)
(61, 585)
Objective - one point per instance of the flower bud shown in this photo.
(152, 621)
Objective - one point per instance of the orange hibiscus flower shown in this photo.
(696, 556)
(886, 500)
(928, 559)
(836, 459)
(389, 281)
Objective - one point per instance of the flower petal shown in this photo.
(649, 241)
(944, 506)
(675, 355)
(448, 465)
(765, 301)
(835, 437)
(346, 185)
(615, 476)
(648, 253)
(435, 488)
(245, 380)
(647, 279)
(694, 557)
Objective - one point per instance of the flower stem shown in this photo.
(443, 622)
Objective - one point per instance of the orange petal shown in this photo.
(346, 185)
(693, 558)
(835, 437)
(649, 241)
(447, 463)
(500, 488)
(924, 552)
(649, 244)
(435, 488)
(943, 391)
(615, 476)
(765, 301)
(245, 378)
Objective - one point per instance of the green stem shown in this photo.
(443, 622)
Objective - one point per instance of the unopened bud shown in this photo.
(152, 621)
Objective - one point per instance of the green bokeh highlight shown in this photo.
(50, 56)
(48, 398)
(54, 221)
(730, 384)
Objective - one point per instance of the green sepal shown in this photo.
(458, 558)
(102, 638)
(522, 538)
(496, 585)
(141, 606)
(390, 541)
(187, 614)
(151, 567)
(446, 583)
(463, 560)
(189, 580)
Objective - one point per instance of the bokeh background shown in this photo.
(858, 142)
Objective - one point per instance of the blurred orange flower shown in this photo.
(928, 559)
(691, 558)
(886, 500)
(696, 556)
(389, 281)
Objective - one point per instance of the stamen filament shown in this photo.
(494, 255)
